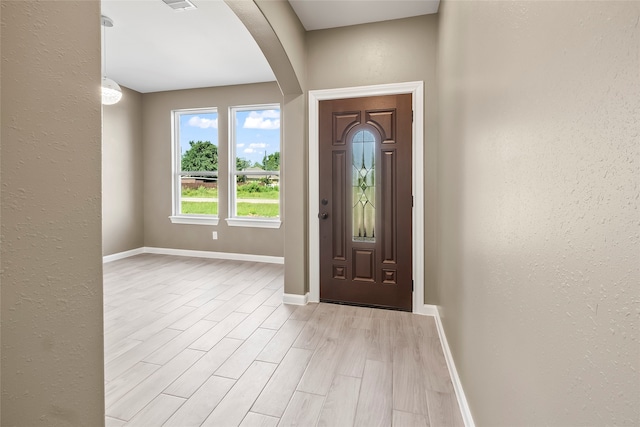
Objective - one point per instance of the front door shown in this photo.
(366, 201)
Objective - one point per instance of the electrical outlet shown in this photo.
(214, 235)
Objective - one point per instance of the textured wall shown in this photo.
(0, 222)
(295, 195)
(156, 117)
(122, 196)
(388, 52)
(292, 81)
(290, 32)
(539, 188)
(51, 292)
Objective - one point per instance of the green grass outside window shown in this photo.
(261, 210)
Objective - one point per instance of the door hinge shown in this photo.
(412, 116)
(411, 201)
(412, 285)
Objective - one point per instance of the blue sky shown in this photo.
(257, 132)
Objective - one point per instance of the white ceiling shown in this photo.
(152, 48)
(321, 14)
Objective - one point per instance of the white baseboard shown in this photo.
(457, 385)
(216, 255)
(427, 310)
(295, 299)
(122, 255)
(196, 254)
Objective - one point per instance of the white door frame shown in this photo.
(416, 89)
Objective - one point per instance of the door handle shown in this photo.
(323, 215)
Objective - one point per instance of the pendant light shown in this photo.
(111, 92)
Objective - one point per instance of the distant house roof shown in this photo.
(259, 169)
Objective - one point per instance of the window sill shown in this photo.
(194, 220)
(252, 222)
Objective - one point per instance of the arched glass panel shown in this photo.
(364, 186)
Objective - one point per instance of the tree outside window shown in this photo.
(196, 170)
(255, 176)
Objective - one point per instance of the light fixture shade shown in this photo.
(111, 92)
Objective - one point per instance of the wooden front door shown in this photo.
(366, 201)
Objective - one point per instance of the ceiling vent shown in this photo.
(179, 5)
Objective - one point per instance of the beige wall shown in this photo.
(291, 74)
(51, 291)
(291, 35)
(156, 118)
(122, 196)
(539, 187)
(296, 280)
(388, 52)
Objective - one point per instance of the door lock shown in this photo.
(323, 215)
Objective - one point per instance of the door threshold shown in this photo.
(355, 304)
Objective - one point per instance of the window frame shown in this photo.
(177, 217)
(239, 221)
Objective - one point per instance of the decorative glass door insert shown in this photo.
(364, 186)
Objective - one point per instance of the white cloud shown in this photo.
(266, 119)
(203, 123)
(254, 147)
(270, 114)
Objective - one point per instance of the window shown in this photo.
(195, 166)
(254, 181)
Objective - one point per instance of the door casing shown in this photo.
(417, 158)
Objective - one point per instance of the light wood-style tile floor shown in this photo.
(201, 342)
